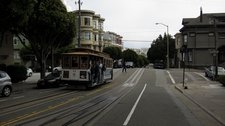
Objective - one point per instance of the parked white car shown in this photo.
(29, 72)
(130, 64)
(57, 69)
(210, 72)
(5, 84)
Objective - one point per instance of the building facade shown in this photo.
(112, 39)
(204, 37)
(178, 45)
(92, 32)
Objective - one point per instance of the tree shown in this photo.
(14, 15)
(114, 52)
(142, 61)
(130, 55)
(158, 49)
(49, 27)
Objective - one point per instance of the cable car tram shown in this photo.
(86, 67)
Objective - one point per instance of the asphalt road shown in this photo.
(149, 103)
(138, 97)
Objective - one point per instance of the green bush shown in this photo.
(222, 79)
(17, 73)
(3, 67)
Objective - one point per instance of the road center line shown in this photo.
(134, 107)
(171, 78)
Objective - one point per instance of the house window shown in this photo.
(16, 56)
(87, 36)
(192, 34)
(95, 37)
(185, 39)
(95, 24)
(15, 41)
(190, 56)
(101, 26)
(87, 21)
(211, 34)
(222, 35)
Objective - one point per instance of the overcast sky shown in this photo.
(135, 19)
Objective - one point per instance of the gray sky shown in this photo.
(135, 19)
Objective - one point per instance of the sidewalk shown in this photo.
(210, 96)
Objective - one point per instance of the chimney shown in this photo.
(200, 14)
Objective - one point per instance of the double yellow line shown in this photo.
(36, 113)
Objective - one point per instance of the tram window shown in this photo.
(66, 62)
(75, 62)
(84, 62)
(107, 63)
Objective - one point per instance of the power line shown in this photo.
(137, 40)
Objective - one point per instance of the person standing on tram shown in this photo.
(96, 71)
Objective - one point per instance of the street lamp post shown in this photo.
(167, 39)
(216, 51)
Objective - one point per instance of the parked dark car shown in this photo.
(159, 64)
(210, 72)
(5, 84)
(51, 80)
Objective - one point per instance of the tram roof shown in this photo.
(85, 51)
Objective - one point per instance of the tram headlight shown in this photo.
(83, 74)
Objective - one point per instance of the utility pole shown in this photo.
(168, 48)
(79, 21)
(168, 45)
(215, 52)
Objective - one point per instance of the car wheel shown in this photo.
(30, 74)
(6, 91)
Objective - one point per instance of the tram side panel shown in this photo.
(75, 76)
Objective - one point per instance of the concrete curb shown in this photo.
(218, 119)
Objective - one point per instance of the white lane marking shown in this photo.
(18, 97)
(132, 76)
(171, 78)
(202, 76)
(129, 80)
(134, 107)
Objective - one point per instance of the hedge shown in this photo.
(17, 73)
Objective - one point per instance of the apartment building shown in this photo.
(204, 36)
(178, 45)
(92, 32)
(112, 39)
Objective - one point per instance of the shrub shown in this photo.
(222, 79)
(3, 67)
(17, 73)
